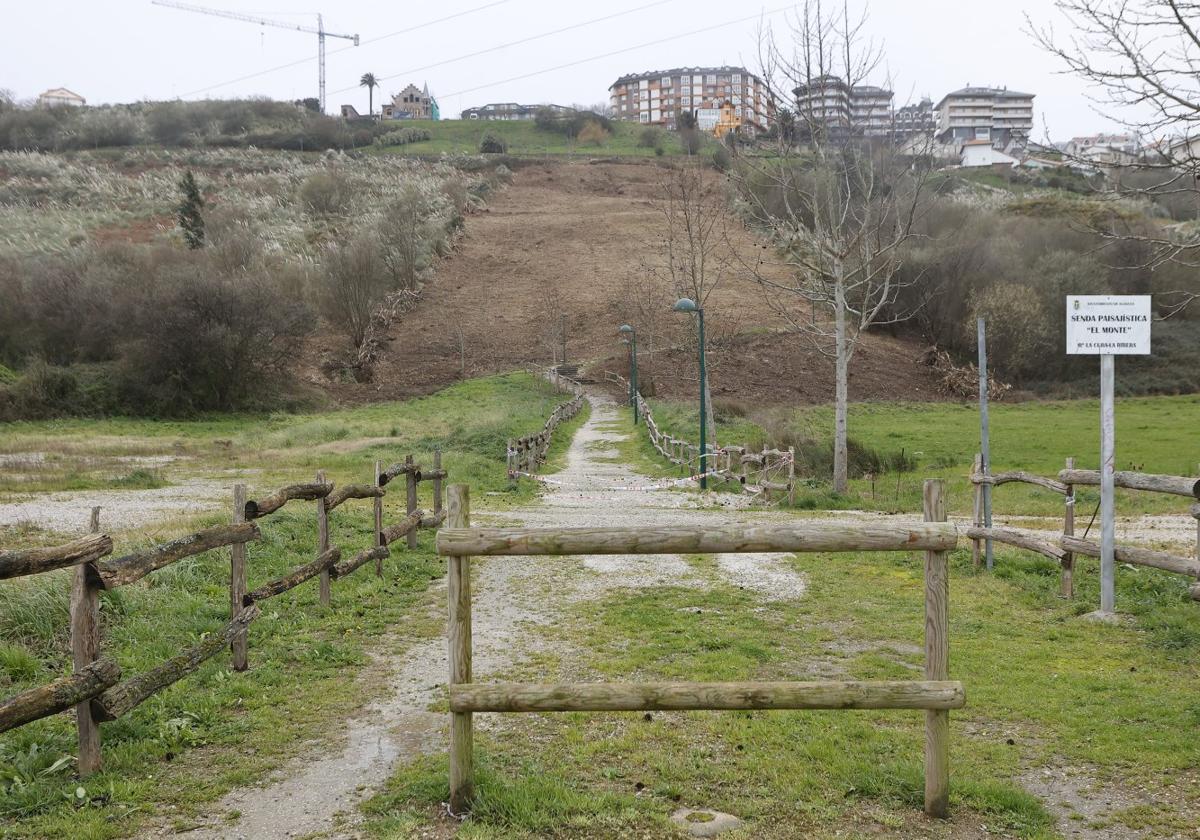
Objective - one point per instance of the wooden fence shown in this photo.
(527, 454)
(936, 694)
(761, 473)
(95, 687)
(1065, 546)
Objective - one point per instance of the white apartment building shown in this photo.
(915, 120)
(59, 97)
(1105, 149)
(658, 97)
(861, 110)
(998, 115)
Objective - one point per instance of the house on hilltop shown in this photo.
(411, 104)
(57, 97)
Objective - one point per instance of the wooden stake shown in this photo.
(85, 649)
(977, 469)
(459, 632)
(239, 646)
(378, 518)
(410, 498)
(937, 660)
(1068, 562)
(323, 541)
(437, 480)
(791, 476)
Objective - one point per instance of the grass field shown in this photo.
(1154, 434)
(461, 137)
(218, 729)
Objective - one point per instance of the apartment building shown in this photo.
(510, 111)
(845, 110)
(1105, 149)
(915, 120)
(659, 96)
(60, 97)
(999, 115)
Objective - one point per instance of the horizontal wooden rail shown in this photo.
(363, 557)
(291, 493)
(352, 491)
(327, 560)
(637, 697)
(1137, 556)
(59, 695)
(807, 537)
(133, 567)
(122, 698)
(396, 470)
(1174, 484)
(1036, 541)
(34, 561)
(402, 528)
(433, 520)
(1022, 477)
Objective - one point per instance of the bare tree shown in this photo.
(1141, 59)
(644, 300)
(838, 205)
(693, 254)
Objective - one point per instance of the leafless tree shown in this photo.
(1141, 59)
(644, 301)
(692, 255)
(838, 206)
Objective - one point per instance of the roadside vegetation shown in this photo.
(189, 744)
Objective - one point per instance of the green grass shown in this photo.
(218, 729)
(1044, 687)
(1154, 434)
(458, 137)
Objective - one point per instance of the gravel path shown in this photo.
(318, 793)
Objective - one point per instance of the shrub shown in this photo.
(103, 127)
(326, 193)
(403, 136)
(492, 144)
(650, 137)
(409, 232)
(593, 134)
(722, 160)
(190, 220)
(352, 284)
(691, 140)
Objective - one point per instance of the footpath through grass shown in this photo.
(1045, 689)
(1154, 434)
(218, 729)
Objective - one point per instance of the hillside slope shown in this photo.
(568, 237)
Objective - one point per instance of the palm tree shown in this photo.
(368, 81)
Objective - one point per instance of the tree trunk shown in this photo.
(842, 349)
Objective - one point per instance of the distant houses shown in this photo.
(60, 97)
(658, 97)
(411, 103)
(511, 111)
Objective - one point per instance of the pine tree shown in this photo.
(190, 220)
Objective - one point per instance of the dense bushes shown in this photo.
(403, 137)
(572, 123)
(493, 144)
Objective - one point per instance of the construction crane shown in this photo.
(319, 31)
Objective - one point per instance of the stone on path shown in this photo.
(704, 822)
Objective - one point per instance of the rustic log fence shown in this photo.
(95, 687)
(762, 473)
(525, 455)
(936, 694)
(1064, 547)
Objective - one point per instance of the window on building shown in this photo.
(712, 79)
(665, 81)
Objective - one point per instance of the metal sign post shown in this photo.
(1108, 326)
(984, 434)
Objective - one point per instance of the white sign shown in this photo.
(1117, 325)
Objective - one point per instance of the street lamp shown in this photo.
(633, 388)
(689, 305)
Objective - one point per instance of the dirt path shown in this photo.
(317, 794)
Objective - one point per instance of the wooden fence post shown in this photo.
(237, 581)
(1068, 561)
(378, 519)
(977, 469)
(410, 497)
(323, 540)
(85, 649)
(459, 634)
(437, 480)
(937, 660)
(791, 476)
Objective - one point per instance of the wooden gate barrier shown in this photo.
(937, 694)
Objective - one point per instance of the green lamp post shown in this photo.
(633, 386)
(689, 305)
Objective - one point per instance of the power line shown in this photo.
(344, 49)
(498, 47)
(620, 51)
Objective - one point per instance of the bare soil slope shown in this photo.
(567, 237)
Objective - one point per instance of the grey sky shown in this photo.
(126, 50)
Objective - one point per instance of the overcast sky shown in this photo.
(127, 50)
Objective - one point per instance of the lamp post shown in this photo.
(633, 386)
(689, 305)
